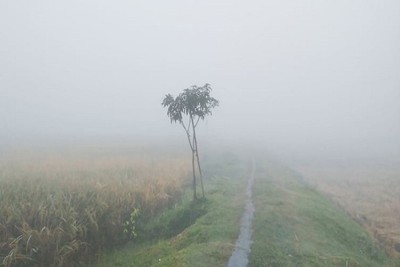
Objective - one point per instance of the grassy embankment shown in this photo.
(294, 225)
(369, 191)
(192, 234)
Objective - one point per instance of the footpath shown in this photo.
(242, 249)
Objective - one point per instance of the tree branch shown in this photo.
(187, 130)
(198, 119)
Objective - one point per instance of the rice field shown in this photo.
(370, 193)
(64, 207)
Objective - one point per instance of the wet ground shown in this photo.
(240, 255)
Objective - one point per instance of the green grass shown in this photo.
(295, 225)
(193, 233)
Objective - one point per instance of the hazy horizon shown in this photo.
(298, 77)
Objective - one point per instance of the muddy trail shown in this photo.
(240, 255)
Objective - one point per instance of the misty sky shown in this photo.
(322, 75)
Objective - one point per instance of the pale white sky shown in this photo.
(295, 74)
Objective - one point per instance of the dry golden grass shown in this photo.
(61, 208)
(369, 193)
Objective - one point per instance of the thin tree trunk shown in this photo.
(198, 163)
(192, 149)
(196, 150)
(194, 177)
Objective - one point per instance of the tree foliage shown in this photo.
(194, 101)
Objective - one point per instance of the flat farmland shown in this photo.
(65, 207)
(370, 193)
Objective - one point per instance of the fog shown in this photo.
(301, 78)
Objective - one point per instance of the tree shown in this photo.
(188, 108)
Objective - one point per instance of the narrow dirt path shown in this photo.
(241, 252)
